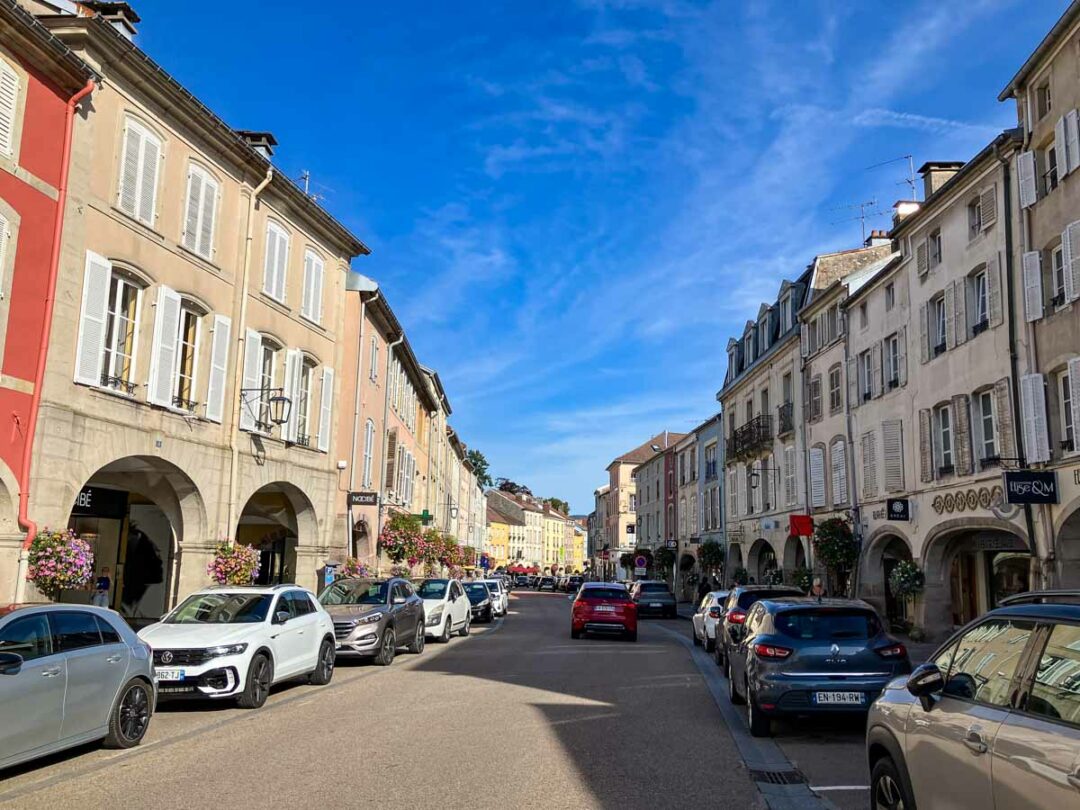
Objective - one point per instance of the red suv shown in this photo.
(603, 607)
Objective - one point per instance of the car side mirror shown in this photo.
(10, 663)
(281, 617)
(572, 597)
(925, 682)
(400, 600)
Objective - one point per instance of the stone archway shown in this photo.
(794, 554)
(1067, 547)
(884, 549)
(734, 561)
(279, 520)
(761, 561)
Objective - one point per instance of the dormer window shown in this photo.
(763, 333)
(785, 313)
(748, 349)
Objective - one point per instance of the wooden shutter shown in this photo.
(309, 282)
(838, 453)
(926, 447)
(1033, 290)
(219, 366)
(190, 238)
(128, 189)
(317, 291)
(924, 333)
(901, 354)
(1033, 411)
(892, 445)
(960, 322)
(326, 409)
(805, 337)
(1070, 246)
(854, 397)
(90, 354)
(1074, 395)
(733, 494)
(164, 350)
(789, 474)
(869, 464)
(875, 359)
(817, 476)
(988, 205)
(390, 480)
(281, 266)
(993, 291)
(950, 316)
(207, 217)
(1061, 148)
(921, 263)
(294, 362)
(962, 459)
(149, 164)
(249, 402)
(1025, 170)
(1004, 418)
(9, 107)
(1072, 139)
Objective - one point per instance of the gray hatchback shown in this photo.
(805, 656)
(70, 674)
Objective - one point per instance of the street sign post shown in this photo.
(640, 561)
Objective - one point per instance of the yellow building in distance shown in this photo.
(498, 540)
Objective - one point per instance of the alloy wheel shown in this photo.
(261, 680)
(420, 639)
(327, 663)
(134, 713)
(887, 795)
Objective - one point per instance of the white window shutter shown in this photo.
(875, 361)
(90, 354)
(1072, 140)
(789, 474)
(149, 165)
(926, 446)
(1074, 394)
(805, 332)
(317, 291)
(1025, 170)
(892, 446)
(219, 366)
(163, 353)
(960, 321)
(921, 263)
(901, 342)
(249, 402)
(9, 106)
(281, 265)
(988, 204)
(326, 409)
(817, 476)
(1061, 148)
(993, 291)
(924, 334)
(128, 190)
(207, 217)
(950, 316)
(869, 464)
(1070, 245)
(854, 397)
(270, 261)
(309, 283)
(1033, 290)
(190, 237)
(1033, 405)
(293, 364)
(839, 468)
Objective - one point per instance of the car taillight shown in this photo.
(737, 616)
(892, 651)
(714, 613)
(771, 651)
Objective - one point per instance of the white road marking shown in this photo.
(818, 789)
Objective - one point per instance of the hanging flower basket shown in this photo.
(835, 546)
(233, 564)
(774, 576)
(354, 568)
(740, 576)
(401, 539)
(59, 561)
(906, 579)
(802, 579)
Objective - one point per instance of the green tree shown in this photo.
(558, 504)
(480, 466)
(506, 485)
(711, 555)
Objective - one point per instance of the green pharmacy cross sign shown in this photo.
(426, 517)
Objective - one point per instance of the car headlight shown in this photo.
(370, 618)
(226, 649)
(435, 616)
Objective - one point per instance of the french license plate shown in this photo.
(839, 698)
(655, 604)
(174, 674)
(604, 608)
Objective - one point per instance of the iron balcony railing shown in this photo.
(752, 437)
(786, 421)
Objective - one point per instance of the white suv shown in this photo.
(446, 608)
(234, 642)
(499, 596)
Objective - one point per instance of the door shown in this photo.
(949, 746)
(287, 639)
(93, 679)
(1036, 758)
(461, 604)
(308, 638)
(737, 656)
(404, 623)
(32, 699)
(699, 618)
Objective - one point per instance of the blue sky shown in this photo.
(572, 205)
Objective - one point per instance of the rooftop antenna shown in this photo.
(861, 216)
(910, 179)
(305, 178)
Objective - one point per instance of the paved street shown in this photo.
(518, 715)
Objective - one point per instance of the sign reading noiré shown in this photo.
(1030, 486)
(363, 499)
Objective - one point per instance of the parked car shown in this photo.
(573, 583)
(446, 608)
(603, 607)
(654, 597)
(481, 605)
(499, 596)
(545, 584)
(522, 581)
(70, 675)
(373, 617)
(805, 656)
(739, 600)
(707, 617)
(991, 720)
(237, 642)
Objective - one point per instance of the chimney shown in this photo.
(120, 16)
(902, 209)
(877, 238)
(261, 142)
(936, 173)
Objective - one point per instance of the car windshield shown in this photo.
(614, 594)
(433, 589)
(546, 581)
(476, 591)
(654, 587)
(493, 585)
(823, 624)
(355, 592)
(222, 608)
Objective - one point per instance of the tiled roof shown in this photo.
(644, 451)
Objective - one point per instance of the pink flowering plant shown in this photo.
(233, 564)
(354, 568)
(401, 539)
(59, 560)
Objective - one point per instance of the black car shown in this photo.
(740, 599)
(480, 600)
(655, 598)
(573, 583)
(522, 581)
(807, 656)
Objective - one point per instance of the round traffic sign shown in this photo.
(640, 561)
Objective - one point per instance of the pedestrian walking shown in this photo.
(102, 588)
(702, 590)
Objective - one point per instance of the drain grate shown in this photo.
(778, 777)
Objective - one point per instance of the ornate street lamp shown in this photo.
(278, 406)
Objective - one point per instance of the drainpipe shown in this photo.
(350, 524)
(856, 509)
(386, 416)
(238, 370)
(46, 329)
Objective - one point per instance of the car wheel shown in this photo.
(490, 616)
(760, 725)
(710, 644)
(631, 635)
(721, 659)
(324, 669)
(732, 692)
(697, 641)
(887, 790)
(464, 631)
(130, 717)
(259, 677)
(575, 633)
(417, 645)
(444, 637)
(388, 649)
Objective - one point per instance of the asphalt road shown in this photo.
(518, 715)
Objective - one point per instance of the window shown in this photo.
(890, 296)
(836, 401)
(940, 324)
(866, 375)
(974, 218)
(1058, 264)
(108, 632)
(984, 662)
(139, 169)
(311, 303)
(943, 439)
(892, 361)
(764, 402)
(121, 328)
(74, 630)
(369, 450)
(29, 637)
(748, 350)
(934, 247)
(187, 346)
(1043, 101)
(787, 387)
(267, 364)
(984, 428)
(980, 301)
(832, 323)
(785, 313)
(763, 333)
(9, 108)
(373, 361)
(749, 409)
(1050, 169)
(815, 398)
(1068, 429)
(303, 403)
(864, 318)
(200, 212)
(1056, 690)
(277, 260)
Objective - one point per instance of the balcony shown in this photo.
(786, 418)
(753, 437)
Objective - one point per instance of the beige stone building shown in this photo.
(620, 519)
(196, 287)
(687, 510)
(653, 523)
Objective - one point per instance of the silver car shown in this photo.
(70, 674)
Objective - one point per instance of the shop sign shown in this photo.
(998, 542)
(630, 528)
(671, 544)
(100, 502)
(1030, 486)
(898, 509)
(363, 499)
